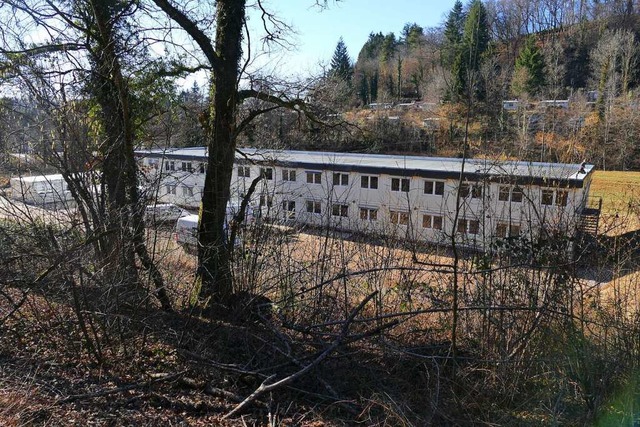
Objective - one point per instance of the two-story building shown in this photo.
(413, 197)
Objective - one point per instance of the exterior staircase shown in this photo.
(590, 217)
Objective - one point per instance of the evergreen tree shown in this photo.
(475, 42)
(452, 35)
(363, 89)
(475, 39)
(341, 63)
(412, 35)
(529, 75)
(373, 87)
(372, 47)
(388, 48)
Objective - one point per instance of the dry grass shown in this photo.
(620, 192)
(616, 189)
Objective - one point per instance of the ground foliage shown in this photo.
(545, 346)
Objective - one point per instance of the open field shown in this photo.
(616, 188)
(620, 193)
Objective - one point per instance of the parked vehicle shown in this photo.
(187, 226)
(163, 213)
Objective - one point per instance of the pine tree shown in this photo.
(363, 89)
(475, 39)
(474, 44)
(388, 48)
(341, 63)
(452, 35)
(412, 35)
(529, 75)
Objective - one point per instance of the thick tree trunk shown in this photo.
(123, 223)
(214, 269)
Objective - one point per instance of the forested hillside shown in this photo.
(409, 92)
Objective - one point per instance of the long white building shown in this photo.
(413, 197)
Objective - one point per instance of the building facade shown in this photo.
(417, 198)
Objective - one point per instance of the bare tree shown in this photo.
(222, 54)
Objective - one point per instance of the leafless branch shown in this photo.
(266, 387)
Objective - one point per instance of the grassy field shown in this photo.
(617, 189)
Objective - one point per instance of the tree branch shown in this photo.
(264, 387)
(192, 29)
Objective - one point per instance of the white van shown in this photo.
(187, 226)
(187, 231)
(163, 213)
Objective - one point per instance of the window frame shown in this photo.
(547, 196)
(265, 201)
(267, 172)
(289, 175)
(244, 171)
(369, 179)
(468, 226)
(340, 179)
(471, 190)
(506, 230)
(341, 209)
(313, 177)
(314, 207)
(434, 222)
(437, 187)
(399, 217)
(561, 197)
(289, 209)
(368, 214)
(398, 184)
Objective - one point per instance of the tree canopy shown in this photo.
(341, 66)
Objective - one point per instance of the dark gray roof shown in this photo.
(428, 167)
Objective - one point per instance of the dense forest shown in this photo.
(106, 320)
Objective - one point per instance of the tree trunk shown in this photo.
(123, 221)
(214, 270)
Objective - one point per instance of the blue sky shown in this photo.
(319, 31)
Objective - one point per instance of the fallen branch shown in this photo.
(117, 390)
(265, 387)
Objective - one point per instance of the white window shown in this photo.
(171, 189)
(314, 177)
(432, 221)
(338, 209)
(289, 208)
(288, 174)
(399, 217)
(369, 214)
(468, 226)
(505, 229)
(370, 182)
(434, 187)
(314, 207)
(507, 193)
(554, 197)
(266, 201)
(187, 191)
(267, 173)
(203, 167)
(561, 197)
(470, 190)
(400, 184)
(170, 166)
(186, 167)
(244, 171)
(340, 179)
(547, 197)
